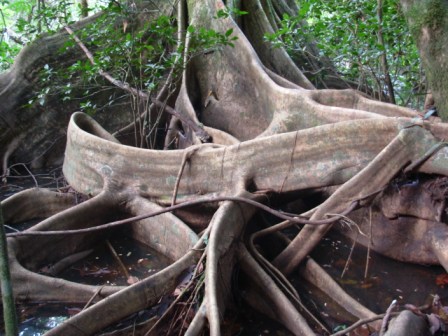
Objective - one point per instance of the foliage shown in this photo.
(23, 21)
(141, 55)
(347, 33)
(131, 45)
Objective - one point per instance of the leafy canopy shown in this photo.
(140, 52)
(346, 31)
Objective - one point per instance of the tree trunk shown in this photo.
(428, 23)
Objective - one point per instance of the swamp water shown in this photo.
(103, 265)
(386, 279)
(98, 268)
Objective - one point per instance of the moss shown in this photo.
(432, 16)
(201, 14)
(427, 13)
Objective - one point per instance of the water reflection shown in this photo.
(98, 268)
(40, 325)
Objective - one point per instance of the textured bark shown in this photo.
(428, 23)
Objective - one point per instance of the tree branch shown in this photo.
(198, 130)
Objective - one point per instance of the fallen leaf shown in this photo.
(132, 280)
(366, 285)
(73, 310)
(348, 282)
(442, 280)
(360, 331)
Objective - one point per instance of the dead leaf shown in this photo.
(132, 280)
(145, 262)
(442, 280)
(360, 331)
(73, 310)
(366, 285)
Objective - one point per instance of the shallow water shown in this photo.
(386, 279)
(100, 267)
(96, 269)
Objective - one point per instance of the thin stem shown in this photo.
(384, 63)
(202, 200)
(117, 259)
(9, 309)
(198, 130)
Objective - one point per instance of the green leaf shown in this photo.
(229, 32)
(222, 14)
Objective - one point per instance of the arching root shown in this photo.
(166, 234)
(282, 307)
(137, 297)
(36, 203)
(409, 145)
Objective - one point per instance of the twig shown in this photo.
(200, 200)
(349, 222)
(67, 261)
(185, 158)
(349, 258)
(9, 308)
(97, 292)
(199, 131)
(172, 305)
(203, 235)
(29, 172)
(425, 156)
(193, 299)
(301, 220)
(117, 259)
(369, 245)
(360, 323)
(386, 318)
(281, 280)
(11, 228)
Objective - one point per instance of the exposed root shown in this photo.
(369, 180)
(64, 263)
(35, 203)
(226, 228)
(386, 317)
(284, 310)
(197, 325)
(316, 275)
(142, 294)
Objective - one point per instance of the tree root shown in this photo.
(137, 297)
(36, 203)
(107, 167)
(284, 310)
(368, 181)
